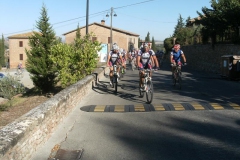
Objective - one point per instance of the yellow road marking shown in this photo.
(159, 108)
(216, 106)
(197, 106)
(119, 108)
(234, 105)
(139, 108)
(99, 108)
(178, 106)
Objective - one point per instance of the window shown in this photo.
(94, 39)
(21, 56)
(20, 43)
(109, 39)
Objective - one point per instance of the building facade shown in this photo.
(102, 32)
(17, 45)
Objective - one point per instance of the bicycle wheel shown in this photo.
(149, 91)
(174, 81)
(179, 80)
(132, 64)
(141, 93)
(115, 83)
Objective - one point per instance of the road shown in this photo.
(25, 80)
(200, 121)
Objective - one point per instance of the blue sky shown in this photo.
(158, 17)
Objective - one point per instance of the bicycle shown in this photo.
(115, 79)
(19, 72)
(132, 61)
(122, 71)
(177, 75)
(147, 86)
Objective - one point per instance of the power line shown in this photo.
(134, 4)
(98, 13)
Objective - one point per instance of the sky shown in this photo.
(158, 17)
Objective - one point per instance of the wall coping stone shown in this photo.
(15, 133)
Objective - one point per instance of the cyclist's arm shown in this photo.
(155, 61)
(184, 58)
(108, 60)
(171, 58)
(138, 61)
(120, 56)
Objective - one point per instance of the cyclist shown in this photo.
(124, 58)
(114, 57)
(145, 60)
(19, 68)
(175, 57)
(132, 57)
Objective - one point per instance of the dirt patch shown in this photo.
(16, 111)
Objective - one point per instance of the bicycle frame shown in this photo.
(146, 78)
(148, 86)
(177, 78)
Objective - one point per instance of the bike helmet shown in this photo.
(115, 47)
(120, 50)
(176, 46)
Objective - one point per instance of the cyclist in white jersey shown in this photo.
(145, 60)
(124, 58)
(114, 57)
(132, 56)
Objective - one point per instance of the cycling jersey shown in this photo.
(177, 55)
(146, 57)
(133, 54)
(114, 57)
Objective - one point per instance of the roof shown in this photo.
(108, 27)
(22, 35)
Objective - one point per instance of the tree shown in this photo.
(147, 39)
(75, 61)
(139, 43)
(39, 64)
(153, 44)
(179, 26)
(2, 51)
(78, 33)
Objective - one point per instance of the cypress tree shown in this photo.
(78, 34)
(147, 39)
(2, 50)
(39, 64)
(153, 44)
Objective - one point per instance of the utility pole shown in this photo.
(87, 17)
(111, 37)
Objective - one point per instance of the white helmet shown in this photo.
(115, 47)
(120, 50)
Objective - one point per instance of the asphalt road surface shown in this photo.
(200, 121)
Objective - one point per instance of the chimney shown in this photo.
(103, 22)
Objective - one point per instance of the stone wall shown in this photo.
(20, 139)
(205, 58)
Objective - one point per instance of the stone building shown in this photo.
(124, 39)
(17, 45)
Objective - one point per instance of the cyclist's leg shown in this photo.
(110, 72)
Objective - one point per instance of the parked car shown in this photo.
(9, 86)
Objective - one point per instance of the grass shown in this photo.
(15, 101)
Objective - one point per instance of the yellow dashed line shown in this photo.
(178, 106)
(99, 109)
(197, 106)
(216, 106)
(139, 108)
(234, 105)
(119, 108)
(159, 108)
